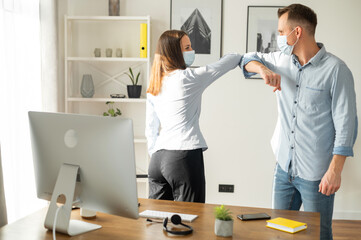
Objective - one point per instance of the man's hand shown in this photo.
(331, 181)
(270, 78)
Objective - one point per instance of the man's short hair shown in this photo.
(302, 15)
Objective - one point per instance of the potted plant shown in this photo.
(111, 111)
(134, 90)
(223, 225)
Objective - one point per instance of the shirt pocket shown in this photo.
(314, 99)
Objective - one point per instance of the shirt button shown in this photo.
(294, 116)
(291, 147)
(292, 132)
(295, 102)
(297, 85)
(300, 70)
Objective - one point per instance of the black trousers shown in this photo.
(177, 175)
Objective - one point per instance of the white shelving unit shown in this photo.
(82, 35)
(124, 100)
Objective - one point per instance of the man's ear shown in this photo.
(299, 31)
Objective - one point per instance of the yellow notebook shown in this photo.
(143, 40)
(286, 225)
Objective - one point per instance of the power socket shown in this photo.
(226, 188)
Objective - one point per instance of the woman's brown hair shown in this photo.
(168, 57)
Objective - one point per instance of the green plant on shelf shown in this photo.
(132, 78)
(111, 111)
(222, 213)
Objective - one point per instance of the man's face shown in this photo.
(284, 28)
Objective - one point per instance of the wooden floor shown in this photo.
(346, 229)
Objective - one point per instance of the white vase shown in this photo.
(87, 213)
(223, 228)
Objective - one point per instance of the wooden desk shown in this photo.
(114, 227)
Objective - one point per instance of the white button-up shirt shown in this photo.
(172, 117)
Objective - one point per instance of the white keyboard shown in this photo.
(162, 215)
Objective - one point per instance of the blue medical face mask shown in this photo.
(189, 57)
(283, 45)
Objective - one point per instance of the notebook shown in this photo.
(286, 225)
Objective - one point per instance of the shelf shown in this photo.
(140, 140)
(121, 100)
(111, 31)
(106, 59)
(109, 18)
(142, 180)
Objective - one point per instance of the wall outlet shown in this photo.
(225, 188)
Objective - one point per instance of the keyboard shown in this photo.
(162, 215)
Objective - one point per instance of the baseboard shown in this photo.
(347, 215)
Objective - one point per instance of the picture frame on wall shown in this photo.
(202, 21)
(262, 30)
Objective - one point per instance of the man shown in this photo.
(317, 121)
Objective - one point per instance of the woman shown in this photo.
(176, 169)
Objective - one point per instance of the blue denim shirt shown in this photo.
(316, 111)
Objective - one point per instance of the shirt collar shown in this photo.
(319, 55)
(315, 60)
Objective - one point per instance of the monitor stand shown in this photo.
(65, 185)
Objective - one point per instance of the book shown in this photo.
(286, 225)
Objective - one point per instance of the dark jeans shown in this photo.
(177, 175)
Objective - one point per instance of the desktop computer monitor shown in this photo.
(86, 161)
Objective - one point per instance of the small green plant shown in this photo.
(111, 111)
(222, 213)
(131, 76)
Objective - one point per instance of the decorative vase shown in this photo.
(109, 52)
(119, 52)
(87, 86)
(87, 213)
(223, 228)
(134, 91)
(97, 52)
(113, 7)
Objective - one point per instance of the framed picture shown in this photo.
(202, 20)
(262, 30)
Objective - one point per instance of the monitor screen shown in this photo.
(102, 147)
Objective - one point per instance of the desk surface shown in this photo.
(114, 227)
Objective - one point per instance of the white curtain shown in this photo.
(3, 213)
(49, 55)
(20, 92)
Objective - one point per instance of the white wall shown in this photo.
(239, 115)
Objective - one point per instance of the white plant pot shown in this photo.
(223, 228)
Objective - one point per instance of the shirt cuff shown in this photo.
(344, 151)
(244, 62)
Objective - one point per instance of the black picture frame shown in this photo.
(208, 46)
(262, 30)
